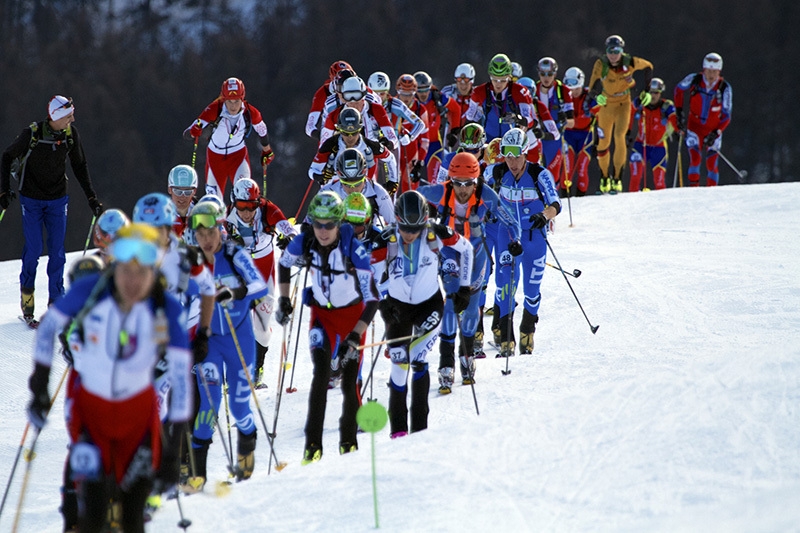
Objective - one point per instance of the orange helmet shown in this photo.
(406, 84)
(336, 66)
(232, 89)
(464, 165)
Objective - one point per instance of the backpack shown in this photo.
(37, 136)
(627, 61)
(248, 123)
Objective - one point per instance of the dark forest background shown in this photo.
(141, 71)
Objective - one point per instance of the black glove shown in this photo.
(562, 119)
(386, 142)
(200, 345)
(389, 312)
(40, 403)
(348, 349)
(285, 310)
(282, 241)
(391, 187)
(680, 119)
(95, 206)
(169, 469)
(224, 296)
(515, 248)
(711, 138)
(417, 172)
(460, 299)
(5, 199)
(453, 138)
(321, 179)
(539, 220)
(537, 130)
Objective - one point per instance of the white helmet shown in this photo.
(574, 78)
(516, 70)
(465, 70)
(515, 137)
(712, 61)
(379, 81)
(182, 176)
(353, 89)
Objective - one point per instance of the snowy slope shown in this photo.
(681, 414)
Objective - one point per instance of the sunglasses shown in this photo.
(182, 192)
(352, 184)
(546, 74)
(203, 221)
(125, 250)
(513, 151)
(349, 133)
(499, 80)
(353, 96)
(246, 205)
(614, 50)
(423, 89)
(463, 79)
(463, 184)
(405, 93)
(325, 225)
(405, 228)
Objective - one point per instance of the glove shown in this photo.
(391, 187)
(405, 140)
(417, 172)
(601, 99)
(40, 403)
(386, 142)
(226, 295)
(680, 119)
(539, 220)
(537, 130)
(515, 248)
(389, 312)
(562, 119)
(5, 199)
(200, 345)
(196, 130)
(348, 350)
(711, 138)
(95, 206)
(321, 179)
(282, 241)
(460, 299)
(169, 469)
(453, 138)
(267, 156)
(645, 98)
(285, 310)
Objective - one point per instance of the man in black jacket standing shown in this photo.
(41, 151)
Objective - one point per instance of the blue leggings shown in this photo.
(53, 215)
(529, 267)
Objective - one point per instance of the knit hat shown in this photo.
(60, 107)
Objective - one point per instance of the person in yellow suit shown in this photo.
(610, 85)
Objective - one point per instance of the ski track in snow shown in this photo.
(680, 414)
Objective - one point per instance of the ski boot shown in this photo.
(616, 185)
(312, 454)
(195, 484)
(27, 304)
(152, 505)
(261, 353)
(507, 349)
(467, 369)
(605, 184)
(446, 380)
(477, 350)
(347, 447)
(526, 330)
(245, 452)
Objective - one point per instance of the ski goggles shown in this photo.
(614, 50)
(246, 205)
(513, 151)
(352, 184)
(325, 225)
(203, 221)
(408, 228)
(572, 83)
(125, 250)
(463, 184)
(182, 192)
(349, 133)
(353, 96)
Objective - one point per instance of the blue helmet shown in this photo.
(107, 226)
(528, 83)
(155, 209)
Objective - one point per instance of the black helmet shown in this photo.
(411, 210)
(351, 165)
(613, 42)
(349, 121)
(83, 266)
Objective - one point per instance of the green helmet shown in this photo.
(357, 209)
(500, 66)
(207, 214)
(473, 136)
(326, 206)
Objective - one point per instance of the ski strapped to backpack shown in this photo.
(37, 136)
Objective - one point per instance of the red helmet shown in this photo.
(232, 89)
(406, 83)
(464, 165)
(336, 66)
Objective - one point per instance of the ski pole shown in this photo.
(303, 201)
(740, 174)
(89, 237)
(380, 343)
(184, 522)
(290, 388)
(194, 152)
(593, 328)
(284, 355)
(575, 273)
(278, 465)
(2, 214)
(678, 169)
(264, 179)
(469, 367)
(25, 478)
(22, 441)
(228, 416)
(204, 382)
(567, 181)
(369, 376)
(510, 296)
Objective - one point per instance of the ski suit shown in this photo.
(373, 116)
(415, 305)
(654, 122)
(558, 100)
(376, 154)
(467, 220)
(706, 109)
(342, 293)
(529, 194)
(490, 109)
(580, 139)
(227, 158)
(444, 116)
(376, 195)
